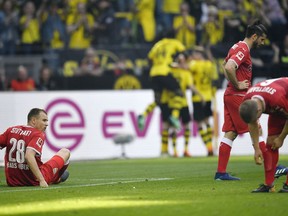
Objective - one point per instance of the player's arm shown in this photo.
(230, 68)
(278, 141)
(3, 139)
(2, 143)
(31, 161)
(254, 134)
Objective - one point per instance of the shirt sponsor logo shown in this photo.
(14, 165)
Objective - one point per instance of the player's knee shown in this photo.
(231, 135)
(64, 153)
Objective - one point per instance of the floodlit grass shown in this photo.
(163, 186)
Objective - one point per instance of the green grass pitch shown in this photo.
(158, 186)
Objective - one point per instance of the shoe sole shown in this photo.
(227, 179)
(64, 176)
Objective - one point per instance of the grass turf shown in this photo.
(162, 186)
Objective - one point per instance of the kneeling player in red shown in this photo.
(23, 164)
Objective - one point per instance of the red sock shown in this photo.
(275, 158)
(267, 163)
(223, 158)
(269, 174)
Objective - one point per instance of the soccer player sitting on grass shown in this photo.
(23, 165)
(268, 97)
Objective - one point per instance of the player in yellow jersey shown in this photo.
(184, 77)
(203, 73)
(161, 56)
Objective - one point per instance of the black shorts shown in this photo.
(164, 82)
(200, 111)
(185, 115)
(165, 112)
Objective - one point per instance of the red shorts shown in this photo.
(275, 124)
(50, 169)
(232, 119)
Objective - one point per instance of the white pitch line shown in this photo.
(111, 179)
(85, 185)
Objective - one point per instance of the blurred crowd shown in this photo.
(48, 26)
(77, 24)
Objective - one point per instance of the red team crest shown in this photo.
(40, 142)
(240, 55)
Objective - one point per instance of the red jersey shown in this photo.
(274, 94)
(240, 54)
(17, 139)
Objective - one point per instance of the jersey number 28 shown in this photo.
(18, 146)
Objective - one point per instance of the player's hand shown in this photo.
(258, 157)
(277, 143)
(243, 84)
(43, 184)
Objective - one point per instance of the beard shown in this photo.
(255, 44)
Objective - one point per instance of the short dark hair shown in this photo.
(34, 113)
(256, 28)
(248, 110)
